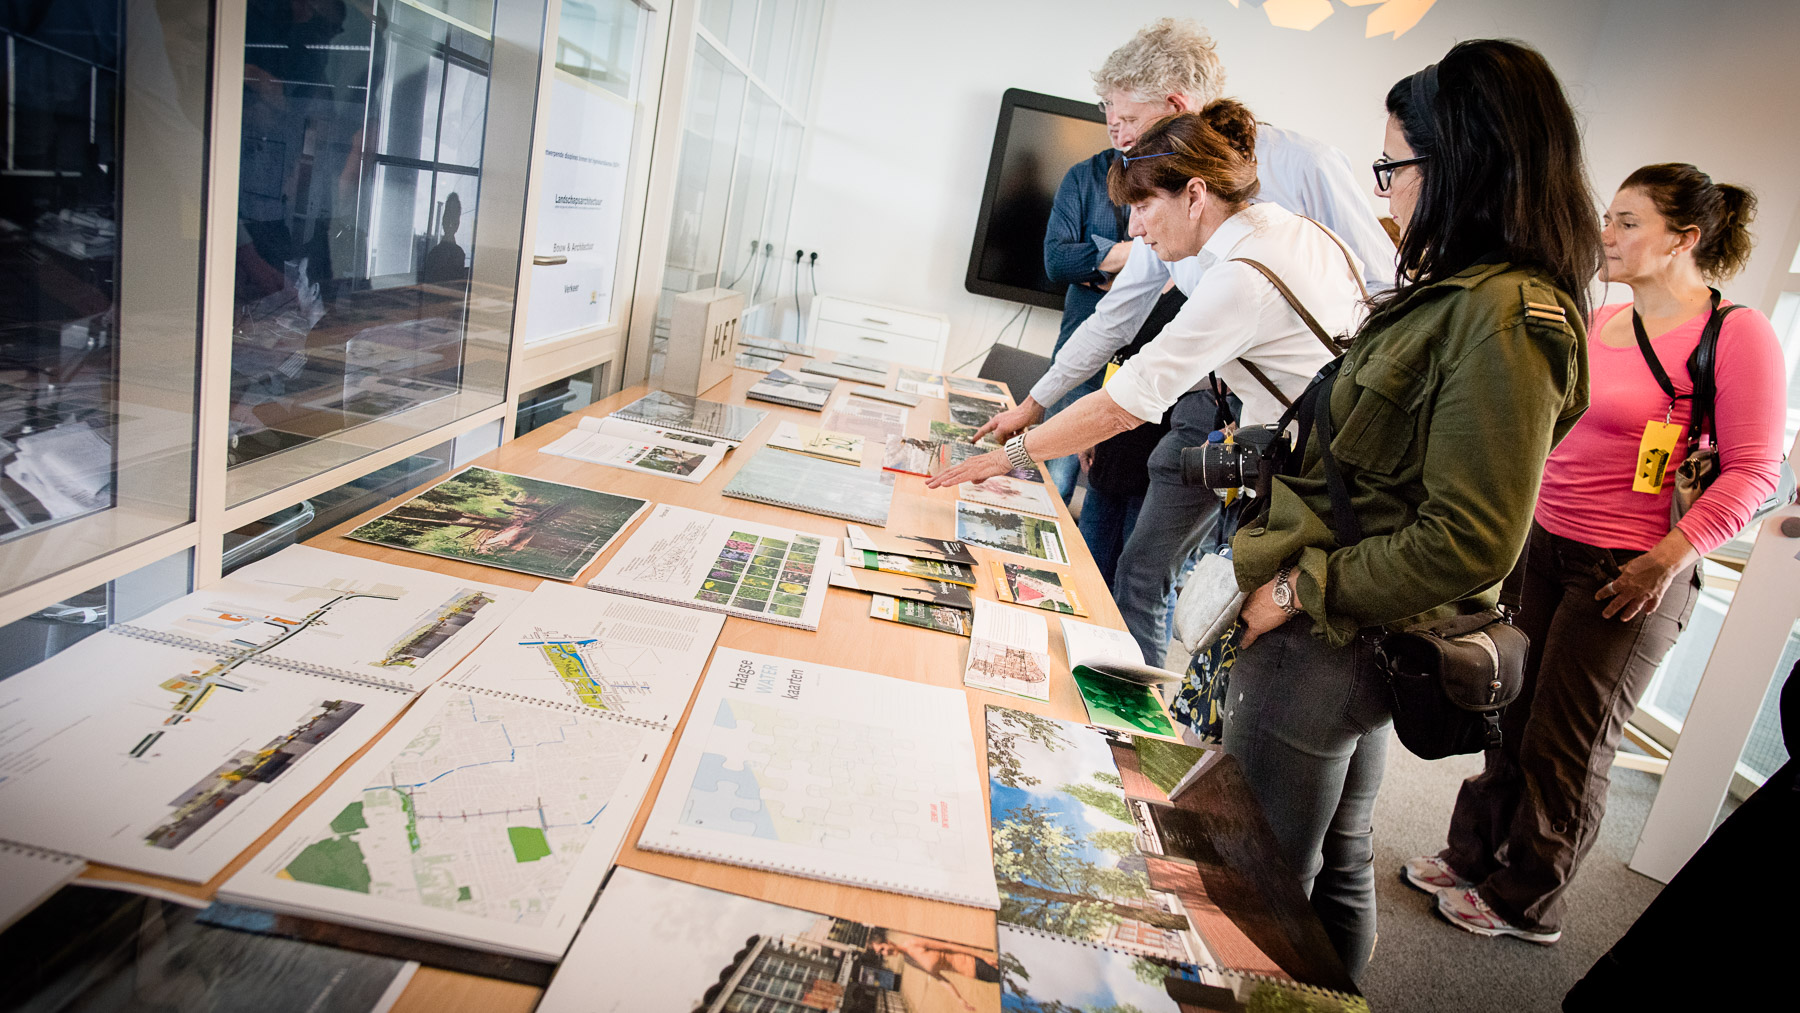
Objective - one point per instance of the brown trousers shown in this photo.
(1523, 825)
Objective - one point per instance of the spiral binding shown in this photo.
(1286, 983)
(804, 507)
(33, 851)
(289, 664)
(886, 885)
(704, 606)
(660, 726)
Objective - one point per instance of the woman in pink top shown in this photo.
(1609, 584)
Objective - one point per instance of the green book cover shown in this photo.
(1122, 705)
(942, 618)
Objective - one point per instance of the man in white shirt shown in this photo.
(1169, 66)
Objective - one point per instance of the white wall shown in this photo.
(908, 95)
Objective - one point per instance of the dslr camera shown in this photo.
(1254, 453)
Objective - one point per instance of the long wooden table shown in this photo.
(847, 638)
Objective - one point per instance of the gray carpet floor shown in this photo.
(1423, 963)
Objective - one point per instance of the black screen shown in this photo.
(1039, 137)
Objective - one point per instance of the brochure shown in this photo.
(945, 549)
(762, 364)
(914, 381)
(1127, 706)
(846, 370)
(478, 515)
(1044, 589)
(1021, 534)
(883, 394)
(720, 564)
(828, 773)
(780, 388)
(1012, 493)
(942, 618)
(692, 415)
(774, 345)
(927, 569)
(1009, 652)
(900, 585)
(866, 417)
(910, 456)
(702, 940)
(798, 482)
(612, 442)
(840, 447)
(972, 385)
(953, 453)
(973, 411)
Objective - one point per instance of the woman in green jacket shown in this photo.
(1444, 410)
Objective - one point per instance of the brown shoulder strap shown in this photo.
(1263, 378)
(1294, 301)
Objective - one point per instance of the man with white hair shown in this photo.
(1171, 67)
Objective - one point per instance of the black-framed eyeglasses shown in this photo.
(1384, 169)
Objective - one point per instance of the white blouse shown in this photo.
(1232, 312)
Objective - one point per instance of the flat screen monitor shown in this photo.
(1038, 138)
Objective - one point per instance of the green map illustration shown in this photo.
(484, 812)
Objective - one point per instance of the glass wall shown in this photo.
(101, 166)
(588, 163)
(747, 96)
(360, 195)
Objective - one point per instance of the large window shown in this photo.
(101, 164)
(749, 85)
(360, 195)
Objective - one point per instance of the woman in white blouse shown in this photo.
(1189, 182)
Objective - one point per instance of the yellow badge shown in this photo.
(1111, 368)
(1654, 451)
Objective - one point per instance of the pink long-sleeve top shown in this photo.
(1587, 494)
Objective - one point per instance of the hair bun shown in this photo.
(1234, 123)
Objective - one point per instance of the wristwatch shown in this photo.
(1015, 452)
(1283, 592)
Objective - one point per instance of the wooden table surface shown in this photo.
(847, 638)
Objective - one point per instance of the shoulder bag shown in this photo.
(1701, 466)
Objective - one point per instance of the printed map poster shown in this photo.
(1020, 534)
(581, 208)
(626, 962)
(546, 529)
(598, 652)
(477, 820)
(831, 774)
(172, 743)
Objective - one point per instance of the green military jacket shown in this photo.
(1445, 410)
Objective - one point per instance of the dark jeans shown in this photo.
(1309, 723)
(1174, 520)
(1064, 471)
(1106, 522)
(1522, 826)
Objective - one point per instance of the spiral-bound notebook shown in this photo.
(29, 876)
(831, 774)
(489, 815)
(721, 564)
(1049, 968)
(814, 486)
(686, 414)
(189, 732)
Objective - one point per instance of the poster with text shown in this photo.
(580, 214)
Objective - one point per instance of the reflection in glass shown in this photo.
(709, 137)
(97, 314)
(360, 172)
(597, 40)
(731, 22)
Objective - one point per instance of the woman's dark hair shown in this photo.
(1688, 199)
(1505, 174)
(1216, 145)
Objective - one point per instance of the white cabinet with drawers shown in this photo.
(903, 336)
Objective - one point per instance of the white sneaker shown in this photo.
(1431, 874)
(1466, 910)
